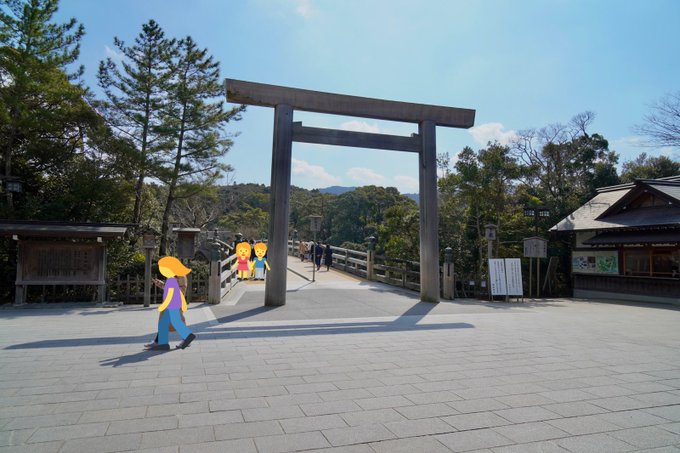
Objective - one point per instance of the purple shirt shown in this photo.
(176, 302)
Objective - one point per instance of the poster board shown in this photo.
(535, 247)
(505, 275)
(497, 277)
(595, 262)
(513, 276)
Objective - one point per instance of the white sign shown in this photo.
(497, 277)
(506, 277)
(513, 276)
(535, 247)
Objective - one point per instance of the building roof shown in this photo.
(30, 228)
(607, 210)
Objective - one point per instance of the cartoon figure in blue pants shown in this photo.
(260, 262)
(173, 303)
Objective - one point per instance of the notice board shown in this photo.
(505, 275)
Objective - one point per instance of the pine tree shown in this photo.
(41, 111)
(195, 116)
(136, 88)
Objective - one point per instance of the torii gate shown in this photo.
(285, 100)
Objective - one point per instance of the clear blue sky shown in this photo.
(520, 64)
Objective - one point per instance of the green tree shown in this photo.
(646, 167)
(41, 112)
(136, 89)
(194, 116)
(566, 162)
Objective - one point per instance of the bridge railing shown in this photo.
(222, 278)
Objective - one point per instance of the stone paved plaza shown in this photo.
(346, 366)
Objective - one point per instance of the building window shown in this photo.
(663, 263)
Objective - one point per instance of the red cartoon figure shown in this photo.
(242, 264)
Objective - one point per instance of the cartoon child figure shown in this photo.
(242, 263)
(260, 261)
(173, 303)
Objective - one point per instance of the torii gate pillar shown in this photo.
(286, 100)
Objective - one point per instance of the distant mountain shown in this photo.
(413, 196)
(338, 190)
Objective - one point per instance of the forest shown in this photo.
(152, 148)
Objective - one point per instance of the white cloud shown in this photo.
(314, 175)
(304, 8)
(490, 132)
(407, 184)
(365, 176)
(112, 54)
(360, 126)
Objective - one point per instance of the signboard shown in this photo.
(513, 276)
(315, 224)
(595, 262)
(61, 263)
(506, 277)
(535, 247)
(497, 277)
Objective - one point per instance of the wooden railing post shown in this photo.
(214, 285)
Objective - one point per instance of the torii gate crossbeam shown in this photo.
(285, 100)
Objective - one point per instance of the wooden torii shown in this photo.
(285, 100)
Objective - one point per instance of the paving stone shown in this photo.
(271, 413)
(530, 432)
(45, 447)
(420, 427)
(594, 443)
(68, 432)
(671, 413)
(290, 442)
(473, 440)
(526, 414)
(332, 407)
(42, 421)
(426, 411)
(210, 418)
(383, 402)
(317, 423)
(477, 405)
(476, 420)
(15, 437)
(632, 419)
(575, 408)
(372, 417)
(176, 409)
(245, 430)
(647, 437)
(419, 444)
(357, 434)
(180, 436)
(621, 403)
(142, 425)
(583, 425)
(103, 444)
(241, 403)
(222, 446)
(534, 447)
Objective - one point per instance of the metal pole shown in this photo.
(279, 203)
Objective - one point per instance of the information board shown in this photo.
(513, 276)
(497, 277)
(535, 247)
(505, 275)
(61, 263)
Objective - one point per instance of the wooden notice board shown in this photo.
(61, 263)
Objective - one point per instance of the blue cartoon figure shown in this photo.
(260, 262)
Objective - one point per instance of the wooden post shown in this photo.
(282, 149)
(147, 276)
(429, 218)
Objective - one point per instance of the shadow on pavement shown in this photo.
(132, 358)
